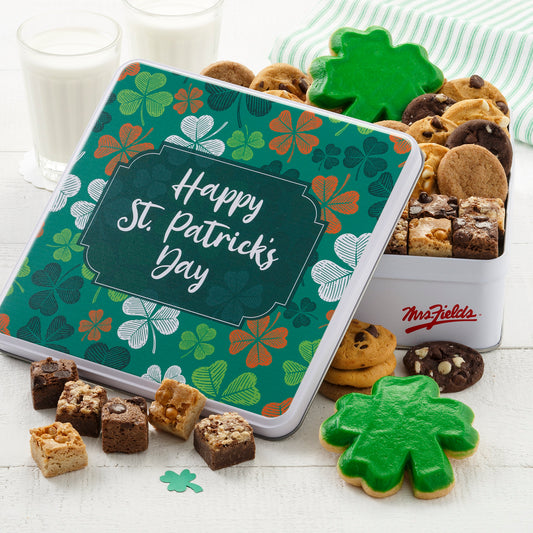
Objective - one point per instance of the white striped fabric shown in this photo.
(491, 38)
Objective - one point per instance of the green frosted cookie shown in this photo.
(368, 77)
(403, 425)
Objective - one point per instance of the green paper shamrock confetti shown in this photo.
(180, 482)
(403, 425)
(368, 77)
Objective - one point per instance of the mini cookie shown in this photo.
(471, 170)
(487, 134)
(334, 392)
(431, 130)
(284, 94)
(475, 87)
(427, 182)
(363, 377)
(393, 125)
(452, 365)
(229, 71)
(426, 105)
(364, 345)
(282, 77)
(477, 108)
(403, 425)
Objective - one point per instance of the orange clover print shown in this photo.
(261, 338)
(276, 409)
(125, 148)
(331, 199)
(188, 99)
(130, 70)
(95, 325)
(4, 322)
(293, 137)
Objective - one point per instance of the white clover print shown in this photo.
(332, 278)
(165, 320)
(81, 210)
(196, 130)
(70, 187)
(153, 373)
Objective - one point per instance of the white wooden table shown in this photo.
(292, 485)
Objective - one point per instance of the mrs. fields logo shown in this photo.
(435, 315)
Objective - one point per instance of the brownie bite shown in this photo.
(397, 244)
(125, 425)
(176, 408)
(57, 449)
(493, 208)
(224, 440)
(81, 405)
(430, 237)
(48, 377)
(433, 205)
(475, 237)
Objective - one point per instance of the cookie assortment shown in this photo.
(365, 354)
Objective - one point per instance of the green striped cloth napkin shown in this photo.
(492, 38)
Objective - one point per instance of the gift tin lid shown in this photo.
(210, 234)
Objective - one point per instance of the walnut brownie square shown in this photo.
(48, 377)
(475, 237)
(176, 408)
(224, 440)
(430, 237)
(125, 425)
(81, 405)
(433, 205)
(57, 449)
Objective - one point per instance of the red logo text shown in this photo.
(437, 314)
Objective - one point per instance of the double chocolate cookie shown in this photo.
(452, 365)
(487, 134)
(426, 105)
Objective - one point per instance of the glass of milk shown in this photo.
(68, 59)
(179, 33)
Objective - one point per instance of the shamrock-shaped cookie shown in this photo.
(370, 78)
(403, 425)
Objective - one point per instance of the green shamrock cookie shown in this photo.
(368, 77)
(403, 425)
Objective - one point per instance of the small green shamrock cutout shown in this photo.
(368, 77)
(403, 425)
(180, 482)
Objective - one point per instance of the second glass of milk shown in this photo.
(68, 60)
(179, 33)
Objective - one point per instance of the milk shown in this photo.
(66, 71)
(182, 34)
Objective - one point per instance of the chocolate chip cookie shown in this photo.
(431, 130)
(282, 77)
(229, 71)
(452, 365)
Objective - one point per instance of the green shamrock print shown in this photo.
(24, 271)
(66, 288)
(198, 342)
(57, 330)
(369, 159)
(243, 144)
(301, 314)
(180, 482)
(65, 244)
(146, 97)
(403, 424)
